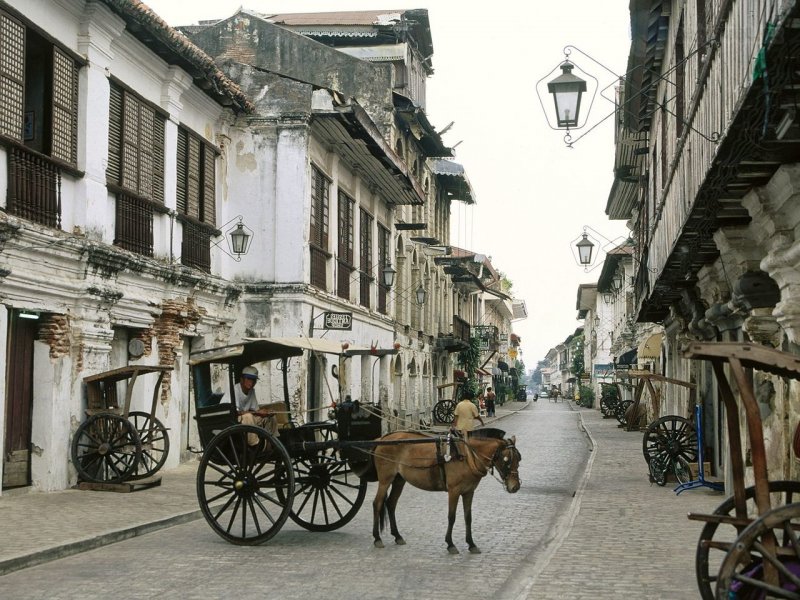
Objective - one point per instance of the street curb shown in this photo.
(49, 554)
(563, 525)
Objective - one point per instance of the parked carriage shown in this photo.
(116, 445)
(314, 473)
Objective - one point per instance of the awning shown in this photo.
(627, 359)
(483, 372)
(651, 347)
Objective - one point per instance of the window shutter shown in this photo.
(113, 173)
(65, 107)
(12, 76)
(193, 178)
(183, 140)
(209, 186)
(146, 153)
(130, 142)
(158, 158)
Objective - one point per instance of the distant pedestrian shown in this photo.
(489, 399)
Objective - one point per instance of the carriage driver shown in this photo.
(247, 405)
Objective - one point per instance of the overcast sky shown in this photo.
(534, 195)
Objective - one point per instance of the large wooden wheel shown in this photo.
(106, 449)
(327, 492)
(670, 437)
(443, 411)
(245, 491)
(770, 542)
(717, 537)
(621, 411)
(155, 443)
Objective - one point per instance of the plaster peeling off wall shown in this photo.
(54, 330)
(175, 318)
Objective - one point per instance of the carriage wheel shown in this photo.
(443, 411)
(245, 492)
(622, 409)
(608, 406)
(670, 436)
(327, 492)
(742, 574)
(106, 448)
(658, 472)
(717, 538)
(155, 443)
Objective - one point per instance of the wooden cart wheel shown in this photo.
(717, 538)
(608, 406)
(106, 449)
(443, 411)
(621, 410)
(741, 574)
(245, 491)
(670, 436)
(155, 443)
(327, 492)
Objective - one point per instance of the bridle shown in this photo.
(505, 464)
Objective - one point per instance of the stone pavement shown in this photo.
(621, 538)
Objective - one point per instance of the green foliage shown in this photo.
(470, 360)
(577, 356)
(586, 396)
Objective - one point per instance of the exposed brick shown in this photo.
(176, 316)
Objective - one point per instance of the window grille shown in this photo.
(383, 261)
(134, 224)
(346, 243)
(34, 188)
(196, 246)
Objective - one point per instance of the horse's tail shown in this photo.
(383, 516)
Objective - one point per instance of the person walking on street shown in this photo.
(490, 400)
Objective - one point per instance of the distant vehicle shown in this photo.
(543, 394)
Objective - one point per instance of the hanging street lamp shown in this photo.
(567, 90)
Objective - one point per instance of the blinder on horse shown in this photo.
(503, 460)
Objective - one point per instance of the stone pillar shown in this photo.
(775, 210)
(99, 28)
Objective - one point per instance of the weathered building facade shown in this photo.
(707, 178)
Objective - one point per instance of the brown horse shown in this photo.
(419, 462)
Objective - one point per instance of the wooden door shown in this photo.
(19, 401)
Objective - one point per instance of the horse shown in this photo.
(416, 458)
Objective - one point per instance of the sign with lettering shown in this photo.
(339, 320)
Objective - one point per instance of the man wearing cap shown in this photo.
(247, 405)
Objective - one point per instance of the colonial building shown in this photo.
(707, 178)
(111, 187)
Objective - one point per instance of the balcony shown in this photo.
(456, 341)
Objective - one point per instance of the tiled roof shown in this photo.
(176, 49)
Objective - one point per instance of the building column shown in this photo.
(775, 210)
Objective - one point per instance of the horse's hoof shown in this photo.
(378, 544)
(453, 550)
(474, 550)
(400, 541)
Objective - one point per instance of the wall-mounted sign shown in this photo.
(338, 320)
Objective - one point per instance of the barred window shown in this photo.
(318, 238)
(383, 261)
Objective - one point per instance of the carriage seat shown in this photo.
(213, 418)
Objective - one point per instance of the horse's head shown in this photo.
(506, 460)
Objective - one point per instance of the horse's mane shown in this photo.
(488, 432)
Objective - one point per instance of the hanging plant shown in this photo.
(469, 359)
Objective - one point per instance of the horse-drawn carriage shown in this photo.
(250, 482)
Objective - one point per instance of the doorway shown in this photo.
(23, 328)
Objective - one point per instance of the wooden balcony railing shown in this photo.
(196, 245)
(344, 273)
(34, 187)
(319, 268)
(134, 224)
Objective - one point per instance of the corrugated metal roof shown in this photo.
(453, 179)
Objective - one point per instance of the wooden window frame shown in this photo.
(319, 227)
(345, 243)
(384, 249)
(365, 223)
